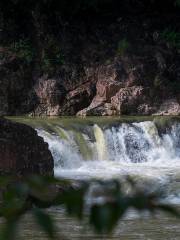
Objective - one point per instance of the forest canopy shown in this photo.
(20, 17)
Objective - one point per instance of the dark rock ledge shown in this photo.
(22, 151)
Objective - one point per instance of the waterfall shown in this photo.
(100, 143)
(112, 150)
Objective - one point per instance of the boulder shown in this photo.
(22, 151)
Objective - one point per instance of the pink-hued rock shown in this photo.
(104, 109)
(78, 99)
(146, 109)
(118, 89)
(127, 99)
(169, 107)
(93, 54)
(50, 94)
(106, 89)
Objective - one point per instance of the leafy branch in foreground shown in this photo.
(36, 193)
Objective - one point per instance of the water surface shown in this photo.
(146, 148)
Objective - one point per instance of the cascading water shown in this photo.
(148, 150)
(109, 148)
(138, 149)
(110, 151)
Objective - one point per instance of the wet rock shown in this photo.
(22, 151)
(169, 107)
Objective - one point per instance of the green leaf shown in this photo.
(45, 222)
(74, 202)
(104, 217)
(8, 232)
(177, 3)
(4, 181)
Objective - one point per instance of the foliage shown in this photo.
(2, 55)
(49, 64)
(23, 50)
(35, 20)
(36, 193)
(157, 82)
(172, 37)
(177, 3)
(53, 56)
(123, 46)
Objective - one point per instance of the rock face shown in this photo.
(127, 99)
(22, 152)
(78, 99)
(50, 94)
(99, 75)
(123, 90)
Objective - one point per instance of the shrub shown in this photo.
(158, 81)
(123, 46)
(172, 37)
(53, 56)
(177, 3)
(23, 50)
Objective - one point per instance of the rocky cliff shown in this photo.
(22, 151)
(126, 64)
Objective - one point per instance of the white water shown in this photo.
(85, 150)
(135, 149)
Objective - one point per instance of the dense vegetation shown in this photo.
(32, 29)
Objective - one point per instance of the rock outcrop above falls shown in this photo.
(120, 66)
(132, 91)
(128, 85)
(22, 151)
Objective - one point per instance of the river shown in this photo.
(147, 149)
